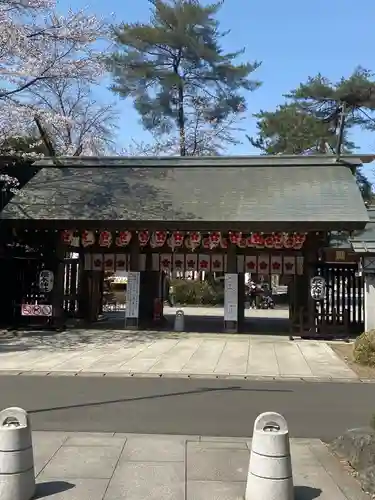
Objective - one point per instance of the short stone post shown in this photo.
(17, 478)
(270, 469)
(179, 321)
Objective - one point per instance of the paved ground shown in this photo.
(175, 354)
(186, 406)
(141, 467)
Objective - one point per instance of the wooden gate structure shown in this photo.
(342, 309)
(265, 215)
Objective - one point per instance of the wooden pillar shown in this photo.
(57, 296)
(93, 295)
(148, 293)
(231, 296)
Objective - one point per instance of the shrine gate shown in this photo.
(259, 214)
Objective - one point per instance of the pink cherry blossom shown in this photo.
(39, 47)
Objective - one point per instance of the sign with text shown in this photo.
(231, 297)
(132, 295)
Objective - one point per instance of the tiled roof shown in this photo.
(364, 241)
(235, 189)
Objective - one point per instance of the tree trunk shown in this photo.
(181, 120)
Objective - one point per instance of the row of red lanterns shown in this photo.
(191, 240)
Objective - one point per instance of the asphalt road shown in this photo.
(186, 406)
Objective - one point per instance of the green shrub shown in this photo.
(364, 349)
(189, 292)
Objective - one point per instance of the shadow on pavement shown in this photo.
(75, 339)
(111, 330)
(306, 493)
(49, 488)
(156, 396)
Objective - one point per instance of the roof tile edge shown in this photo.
(205, 161)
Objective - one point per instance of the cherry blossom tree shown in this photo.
(89, 127)
(39, 46)
(43, 53)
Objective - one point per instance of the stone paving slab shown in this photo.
(103, 466)
(119, 352)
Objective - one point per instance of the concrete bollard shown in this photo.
(17, 478)
(179, 321)
(270, 469)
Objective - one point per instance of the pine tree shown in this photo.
(309, 120)
(165, 66)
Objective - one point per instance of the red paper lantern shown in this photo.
(194, 240)
(123, 238)
(269, 242)
(249, 242)
(299, 240)
(143, 237)
(178, 238)
(105, 239)
(67, 237)
(87, 238)
(257, 239)
(206, 243)
(195, 237)
(235, 238)
(215, 238)
(278, 240)
(289, 241)
(160, 238)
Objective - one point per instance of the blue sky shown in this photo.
(294, 39)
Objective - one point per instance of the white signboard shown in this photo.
(36, 310)
(231, 297)
(46, 280)
(132, 295)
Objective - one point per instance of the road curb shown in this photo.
(192, 376)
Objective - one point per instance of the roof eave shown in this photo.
(200, 161)
(244, 226)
